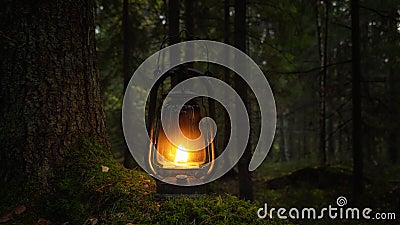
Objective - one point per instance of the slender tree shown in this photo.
(173, 32)
(356, 101)
(283, 156)
(227, 72)
(50, 93)
(189, 19)
(189, 26)
(127, 66)
(245, 181)
(392, 125)
(322, 50)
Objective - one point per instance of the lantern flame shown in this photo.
(182, 155)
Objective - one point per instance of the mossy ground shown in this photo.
(87, 193)
(302, 184)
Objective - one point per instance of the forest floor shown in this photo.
(288, 185)
(96, 189)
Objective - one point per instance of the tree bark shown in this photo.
(356, 101)
(189, 19)
(50, 93)
(227, 72)
(173, 31)
(283, 156)
(392, 136)
(228, 79)
(189, 26)
(126, 67)
(173, 20)
(322, 47)
(245, 181)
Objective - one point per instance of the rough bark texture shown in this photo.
(49, 92)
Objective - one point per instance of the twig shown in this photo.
(310, 70)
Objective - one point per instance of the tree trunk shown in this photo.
(189, 26)
(392, 136)
(50, 93)
(126, 67)
(282, 139)
(322, 79)
(304, 135)
(245, 182)
(227, 72)
(228, 79)
(331, 140)
(173, 31)
(189, 19)
(356, 101)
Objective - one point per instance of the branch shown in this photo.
(310, 70)
(338, 128)
(374, 10)
(341, 25)
(281, 53)
(10, 40)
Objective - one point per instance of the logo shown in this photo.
(144, 79)
(330, 212)
(341, 201)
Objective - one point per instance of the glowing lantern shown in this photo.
(179, 163)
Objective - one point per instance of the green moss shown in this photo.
(84, 193)
(210, 210)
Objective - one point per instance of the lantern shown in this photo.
(179, 162)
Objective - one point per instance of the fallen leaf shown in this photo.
(19, 209)
(104, 169)
(93, 221)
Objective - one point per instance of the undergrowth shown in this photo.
(95, 189)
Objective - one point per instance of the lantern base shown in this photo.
(165, 190)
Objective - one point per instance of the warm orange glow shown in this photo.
(170, 156)
(181, 156)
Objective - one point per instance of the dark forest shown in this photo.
(67, 71)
